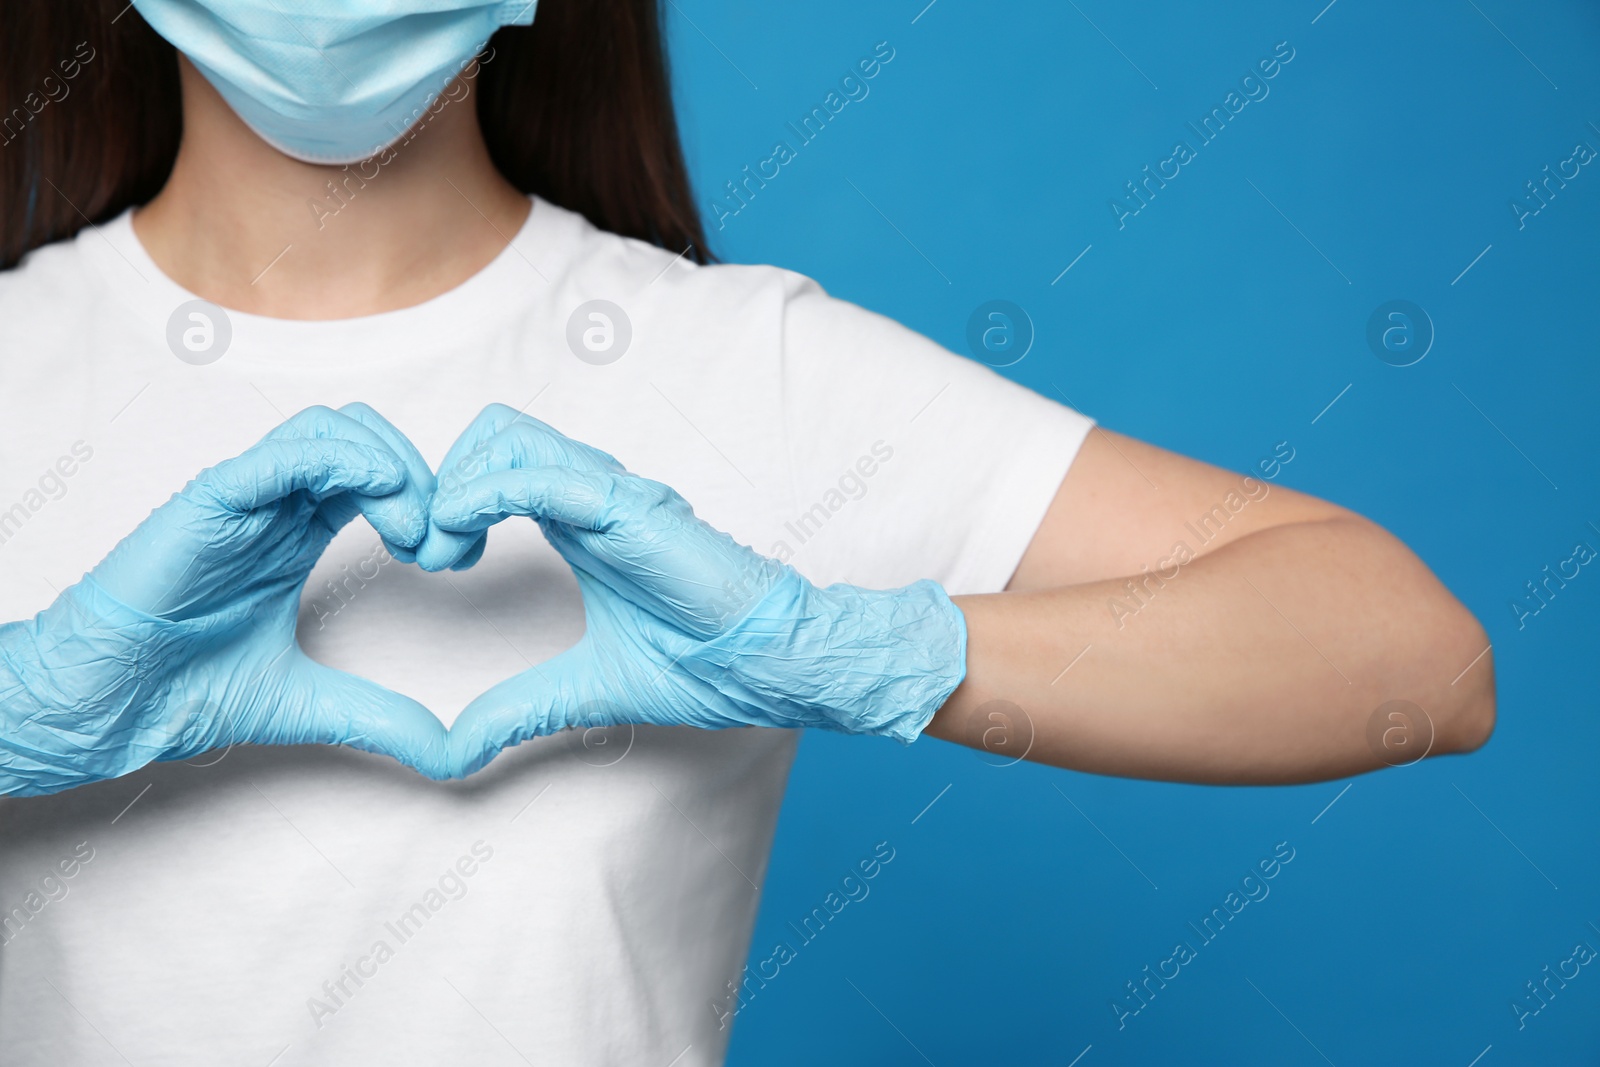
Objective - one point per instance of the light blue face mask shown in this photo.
(331, 81)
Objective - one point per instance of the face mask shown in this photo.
(331, 81)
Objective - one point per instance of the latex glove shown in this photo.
(685, 626)
(182, 639)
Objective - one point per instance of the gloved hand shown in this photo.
(182, 639)
(685, 626)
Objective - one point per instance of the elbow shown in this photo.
(1469, 706)
(1474, 724)
(1471, 726)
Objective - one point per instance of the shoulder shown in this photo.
(638, 273)
(751, 313)
(51, 304)
(55, 269)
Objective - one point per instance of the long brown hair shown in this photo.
(576, 108)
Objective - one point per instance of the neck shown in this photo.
(249, 228)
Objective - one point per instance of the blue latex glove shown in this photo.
(182, 640)
(685, 625)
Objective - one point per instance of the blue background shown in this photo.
(983, 161)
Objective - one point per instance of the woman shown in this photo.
(496, 250)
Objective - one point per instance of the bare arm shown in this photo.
(1263, 658)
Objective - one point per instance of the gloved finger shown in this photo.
(582, 499)
(474, 554)
(331, 707)
(600, 521)
(526, 705)
(408, 509)
(320, 467)
(597, 521)
(530, 442)
(395, 521)
(466, 459)
(637, 536)
(442, 549)
(400, 517)
(500, 438)
(447, 550)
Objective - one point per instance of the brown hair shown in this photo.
(576, 108)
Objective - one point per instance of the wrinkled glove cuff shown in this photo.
(854, 660)
(52, 719)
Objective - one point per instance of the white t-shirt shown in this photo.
(587, 898)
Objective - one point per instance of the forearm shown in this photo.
(28, 713)
(1260, 662)
(71, 678)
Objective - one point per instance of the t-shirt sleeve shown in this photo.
(908, 461)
